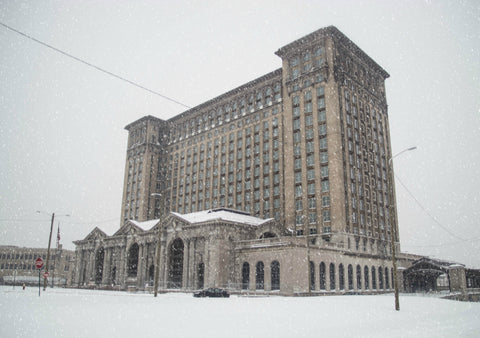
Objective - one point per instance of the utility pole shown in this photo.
(393, 228)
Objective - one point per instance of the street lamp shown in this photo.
(393, 228)
(48, 250)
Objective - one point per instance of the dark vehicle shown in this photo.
(212, 292)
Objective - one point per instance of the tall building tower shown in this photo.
(307, 144)
(144, 169)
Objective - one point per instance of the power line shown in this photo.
(64, 221)
(426, 211)
(94, 66)
(443, 245)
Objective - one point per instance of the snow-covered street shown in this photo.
(82, 313)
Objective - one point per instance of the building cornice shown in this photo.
(239, 90)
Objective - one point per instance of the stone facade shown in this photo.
(229, 249)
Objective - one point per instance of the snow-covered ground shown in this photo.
(82, 313)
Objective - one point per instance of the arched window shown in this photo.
(323, 276)
(359, 277)
(374, 279)
(312, 276)
(132, 261)
(350, 277)
(245, 276)
(380, 277)
(366, 274)
(259, 276)
(387, 282)
(332, 276)
(275, 271)
(341, 277)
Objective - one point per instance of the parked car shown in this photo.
(212, 292)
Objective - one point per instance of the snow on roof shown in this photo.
(147, 225)
(222, 214)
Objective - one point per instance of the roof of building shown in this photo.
(146, 225)
(224, 214)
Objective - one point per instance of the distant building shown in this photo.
(17, 264)
(282, 184)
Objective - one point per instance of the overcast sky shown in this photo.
(62, 142)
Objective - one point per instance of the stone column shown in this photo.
(163, 264)
(106, 266)
(78, 265)
(457, 278)
(122, 265)
(253, 274)
(267, 274)
(206, 262)
(186, 265)
(141, 266)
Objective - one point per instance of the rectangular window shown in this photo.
(298, 205)
(298, 177)
(325, 186)
(321, 103)
(326, 215)
(325, 201)
(310, 160)
(311, 174)
(324, 171)
(323, 157)
(322, 130)
(298, 191)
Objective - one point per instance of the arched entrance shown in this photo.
(175, 264)
(132, 261)
(99, 256)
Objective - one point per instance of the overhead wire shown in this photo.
(94, 66)
(428, 213)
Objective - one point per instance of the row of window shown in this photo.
(225, 113)
(307, 61)
(21, 256)
(359, 279)
(230, 152)
(260, 276)
(22, 266)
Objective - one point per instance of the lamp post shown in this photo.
(393, 228)
(48, 250)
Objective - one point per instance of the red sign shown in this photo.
(39, 263)
(46, 274)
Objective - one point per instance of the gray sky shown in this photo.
(62, 145)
